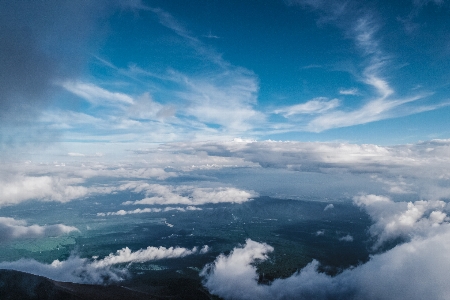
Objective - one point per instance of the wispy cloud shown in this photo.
(95, 94)
(362, 26)
(225, 98)
(352, 91)
(316, 106)
(372, 111)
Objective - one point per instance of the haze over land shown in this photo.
(251, 150)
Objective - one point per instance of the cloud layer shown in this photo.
(416, 170)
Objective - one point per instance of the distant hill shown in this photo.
(19, 285)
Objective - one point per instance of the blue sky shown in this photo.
(140, 72)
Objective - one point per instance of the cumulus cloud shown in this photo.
(404, 220)
(164, 194)
(93, 271)
(20, 188)
(233, 276)
(11, 228)
(414, 270)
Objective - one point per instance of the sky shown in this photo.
(204, 102)
(142, 72)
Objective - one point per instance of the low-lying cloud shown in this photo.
(93, 271)
(405, 220)
(414, 270)
(21, 188)
(125, 255)
(147, 210)
(188, 195)
(11, 229)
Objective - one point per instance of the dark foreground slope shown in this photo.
(19, 285)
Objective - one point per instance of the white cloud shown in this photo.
(352, 91)
(363, 26)
(144, 107)
(83, 270)
(415, 270)
(233, 276)
(401, 219)
(315, 106)
(329, 206)
(21, 188)
(410, 168)
(398, 186)
(74, 269)
(420, 169)
(125, 255)
(62, 182)
(129, 212)
(11, 228)
(225, 98)
(367, 200)
(193, 208)
(96, 94)
(347, 238)
(165, 194)
(147, 210)
(76, 154)
(373, 110)
(221, 96)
